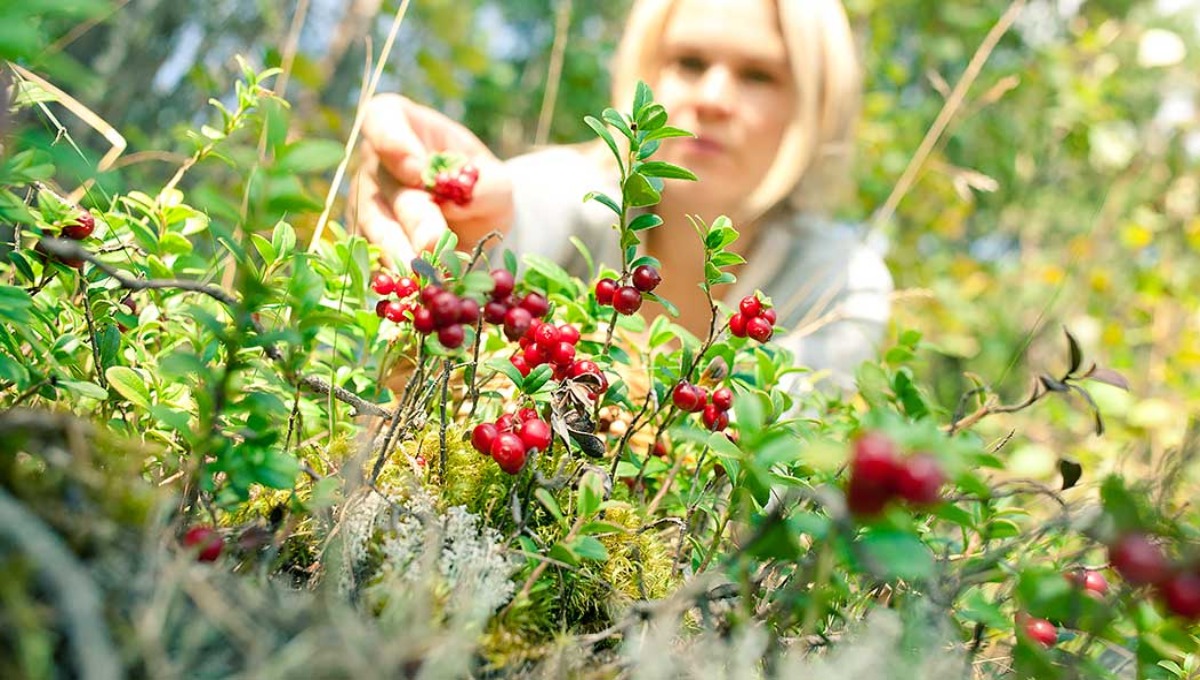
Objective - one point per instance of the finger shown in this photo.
(440, 132)
(421, 218)
(388, 133)
(377, 221)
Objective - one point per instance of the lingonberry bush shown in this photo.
(489, 446)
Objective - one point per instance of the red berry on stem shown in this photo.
(750, 306)
(536, 304)
(521, 365)
(568, 333)
(428, 293)
(444, 307)
(493, 312)
(393, 310)
(381, 308)
(383, 284)
(627, 300)
(526, 414)
(504, 282)
(206, 541)
(423, 322)
(722, 398)
(562, 354)
(874, 462)
(714, 418)
(1092, 582)
(1181, 595)
(482, 437)
(507, 422)
(535, 433)
(404, 287)
(546, 335)
(81, 228)
(759, 329)
(509, 452)
(468, 311)
(737, 325)
(864, 499)
(605, 288)
(686, 397)
(534, 355)
(1138, 560)
(920, 479)
(769, 315)
(516, 322)
(1040, 631)
(646, 278)
(452, 336)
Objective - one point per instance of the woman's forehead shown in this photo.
(749, 28)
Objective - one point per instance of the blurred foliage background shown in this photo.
(1063, 192)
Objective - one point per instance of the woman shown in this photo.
(771, 90)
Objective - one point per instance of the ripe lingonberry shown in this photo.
(526, 414)
(714, 418)
(920, 479)
(452, 336)
(750, 306)
(394, 310)
(206, 541)
(546, 335)
(687, 398)
(1138, 560)
(536, 304)
(468, 311)
(444, 307)
(605, 288)
(1040, 631)
(81, 228)
(759, 329)
(482, 437)
(503, 283)
(874, 460)
(535, 434)
(737, 325)
(381, 308)
(521, 365)
(516, 322)
(494, 311)
(1181, 595)
(568, 333)
(423, 321)
(769, 315)
(627, 300)
(507, 422)
(646, 278)
(865, 500)
(562, 354)
(509, 452)
(1092, 582)
(722, 398)
(405, 287)
(383, 284)
(454, 186)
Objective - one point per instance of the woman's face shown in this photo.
(725, 77)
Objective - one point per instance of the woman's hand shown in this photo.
(394, 210)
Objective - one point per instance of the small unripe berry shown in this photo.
(627, 300)
(482, 437)
(646, 278)
(605, 288)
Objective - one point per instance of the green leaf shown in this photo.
(21, 261)
(87, 390)
(652, 117)
(536, 378)
(505, 366)
(14, 304)
(667, 304)
(130, 385)
(604, 134)
(591, 494)
(604, 200)
(638, 192)
(264, 248)
(667, 170)
(645, 221)
(283, 239)
(310, 155)
(896, 554)
(642, 96)
(589, 548)
(562, 553)
(615, 119)
(278, 471)
(547, 499)
(666, 132)
(598, 527)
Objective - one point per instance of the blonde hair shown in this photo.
(813, 157)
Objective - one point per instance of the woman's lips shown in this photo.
(704, 146)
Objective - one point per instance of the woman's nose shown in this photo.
(715, 92)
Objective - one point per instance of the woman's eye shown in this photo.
(757, 75)
(691, 64)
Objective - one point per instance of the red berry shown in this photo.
(919, 480)
(381, 308)
(605, 288)
(627, 300)
(686, 397)
(1040, 631)
(562, 354)
(509, 452)
(714, 418)
(568, 333)
(507, 422)
(206, 541)
(722, 398)
(423, 321)
(750, 306)
(1138, 560)
(535, 433)
(1181, 594)
(759, 329)
(493, 312)
(769, 315)
(1092, 582)
(405, 287)
(519, 362)
(526, 414)
(445, 308)
(865, 500)
(468, 311)
(503, 283)
(452, 336)
(82, 228)
(516, 322)
(582, 366)
(874, 462)
(536, 303)
(660, 449)
(646, 278)
(737, 325)
(482, 437)
(394, 310)
(383, 284)
(428, 293)
(534, 355)
(546, 335)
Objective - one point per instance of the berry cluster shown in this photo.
(514, 313)
(510, 439)
(627, 299)
(453, 185)
(435, 309)
(545, 343)
(695, 399)
(753, 320)
(205, 541)
(1140, 561)
(878, 474)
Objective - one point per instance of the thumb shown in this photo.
(389, 133)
